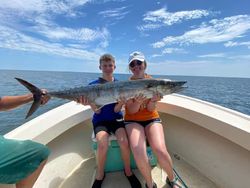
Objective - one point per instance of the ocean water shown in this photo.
(233, 93)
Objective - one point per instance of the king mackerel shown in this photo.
(103, 94)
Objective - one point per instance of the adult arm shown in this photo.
(11, 102)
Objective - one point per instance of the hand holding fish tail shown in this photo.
(40, 96)
(45, 97)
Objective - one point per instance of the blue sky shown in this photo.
(178, 37)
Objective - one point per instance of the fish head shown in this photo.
(165, 86)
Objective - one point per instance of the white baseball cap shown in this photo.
(136, 56)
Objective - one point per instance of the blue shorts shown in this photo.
(19, 159)
(144, 123)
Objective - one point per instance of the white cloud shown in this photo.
(11, 39)
(237, 58)
(156, 55)
(216, 55)
(42, 6)
(117, 13)
(106, 1)
(38, 16)
(173, 50)
(240, 57)
(81, 35)
(215, 31)
(170, 51)
(231, 44)
(30, 26)
(161, 17)
(201, 68)
(27, 6)
(149, 27)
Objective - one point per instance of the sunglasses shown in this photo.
(134, 63)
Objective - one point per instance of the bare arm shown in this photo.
(10, 102)
(94, 108)
(152, 104)
(118, 106)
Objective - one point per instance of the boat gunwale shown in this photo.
(218, 119)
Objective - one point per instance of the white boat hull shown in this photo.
(210, 145)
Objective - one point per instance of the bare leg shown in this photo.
(31, 179)
(102, 148)
(137, 142)
(121, 136)
(159, 147)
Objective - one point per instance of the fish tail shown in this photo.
(37, 95)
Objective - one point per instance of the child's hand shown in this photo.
(156, 97)
(83, 100)
(140, 98)
(122, 101)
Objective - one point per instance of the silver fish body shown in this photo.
(110, 92)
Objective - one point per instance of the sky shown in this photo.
(178, 37)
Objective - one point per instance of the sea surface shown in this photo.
(233, 93)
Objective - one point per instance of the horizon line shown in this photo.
(121, 73)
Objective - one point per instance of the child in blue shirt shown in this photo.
(108, 120)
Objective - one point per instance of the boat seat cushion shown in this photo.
(114, 160)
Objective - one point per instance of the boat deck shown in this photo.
(84, 175)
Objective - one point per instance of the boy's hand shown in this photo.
(83, 100)
(122, 100)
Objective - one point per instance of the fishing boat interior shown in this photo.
(209, 146)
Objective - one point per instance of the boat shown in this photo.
(209, 145)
